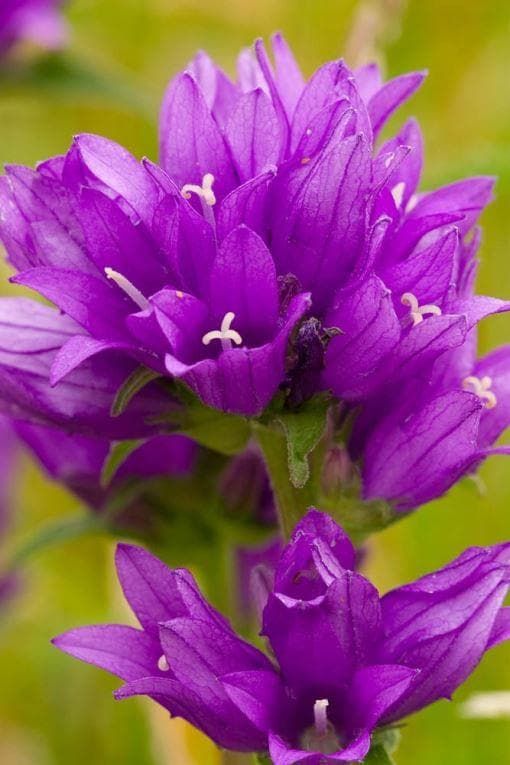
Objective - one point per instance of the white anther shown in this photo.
(204, 191)
(418, 312)
(163, 664)
(481, 387)
(126, 286)
(397, 193)
(320, 716)
(225, 334)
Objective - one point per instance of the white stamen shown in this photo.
(481, 387)
(204, 191)
(126, 286)
(225, 334)
(163, 664)
(418, 312)
(320, 716)
(397, 193)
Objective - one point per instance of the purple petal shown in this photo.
(102, 164)
(337, 629)
(157, 593)
(253, 135)
(123, 651)
(410, 460)
(374, 689)
(94, 304)
(442, 631)
(78, 349)
(243, 280)
(39, 223)
(319, 232)
(191, 144)
(247, 204)
(392, 95)
(369, 330)
(501, 628)
(218, 718)
(289, 80)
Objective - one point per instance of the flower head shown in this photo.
(347, 661)
(277, 247)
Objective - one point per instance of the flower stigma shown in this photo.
(481, 387)
(206, 195)
(417, 311)
(321, 736)
(127, 287)
(225, 334)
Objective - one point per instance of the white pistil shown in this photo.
(163, 664)
(127, 287)
(226, 335)
(320, 716)
(418, 312)
(481, 387)
(204, 191)
(206, 195)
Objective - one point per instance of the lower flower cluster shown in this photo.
(341, 661)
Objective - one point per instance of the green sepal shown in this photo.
(262, 759)
(137, 380)
(378, 756)
(117, 455)
(304, 429)
(220, 431)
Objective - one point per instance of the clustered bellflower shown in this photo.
(346, 661)
(37, 21)
(277, 246)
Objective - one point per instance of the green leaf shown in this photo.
(222, 432)
(378, 756)
(137, 380)
(262, 759)
(304, 429)
(119, 452)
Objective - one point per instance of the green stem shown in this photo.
(291, 503)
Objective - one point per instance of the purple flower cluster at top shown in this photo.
(37, 21)
(348, 661)
(275, 247)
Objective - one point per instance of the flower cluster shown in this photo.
(346, 660)
(276, 248)
(37, 21)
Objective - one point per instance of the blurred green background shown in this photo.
(54, 711)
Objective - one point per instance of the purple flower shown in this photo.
(348, 661)
(37, 21)
(77, 461)
(276, 247)
(170, 265)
